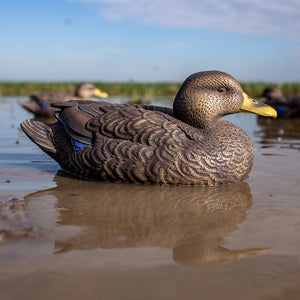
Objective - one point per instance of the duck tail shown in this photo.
(40, 134)
(31, 106)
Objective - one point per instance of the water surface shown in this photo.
(64, 238)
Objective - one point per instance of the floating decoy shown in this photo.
(40, 103)
(189, 144)
(286, 106)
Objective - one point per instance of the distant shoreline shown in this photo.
(133, 89)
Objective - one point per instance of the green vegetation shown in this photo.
(112, 88)
(255, 89)
(133, 89)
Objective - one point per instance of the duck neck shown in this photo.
(195, 117)
(188, 108)
(206, 123)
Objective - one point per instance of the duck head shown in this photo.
(205, 97)
(272, 92)
(88, 90)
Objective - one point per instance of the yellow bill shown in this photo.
(100, 94)
(256, 107)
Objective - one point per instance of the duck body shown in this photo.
(286, 106)
(150, 144)
(40, 103)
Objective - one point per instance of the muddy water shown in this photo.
(63, 238)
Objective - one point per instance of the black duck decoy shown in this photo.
(189, 144)
(40, 103)
(286, 106)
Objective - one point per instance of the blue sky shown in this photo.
(153, 40)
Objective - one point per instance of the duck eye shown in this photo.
(221, 89)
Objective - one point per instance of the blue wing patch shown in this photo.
(45, 106)
(281, 109)
(78, 145)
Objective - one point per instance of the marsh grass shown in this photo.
(255, 89)
(132, 89)
(113, 88)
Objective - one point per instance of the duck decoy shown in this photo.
(40, 103)
(286, 106)
(189, 144)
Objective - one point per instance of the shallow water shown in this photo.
(63, 238)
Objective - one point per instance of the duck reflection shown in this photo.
(279, 129)
(191, 220)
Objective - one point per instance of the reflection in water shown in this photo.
(190, 220)
(279, 130)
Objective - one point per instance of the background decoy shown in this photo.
(40, 103)
(286, 106)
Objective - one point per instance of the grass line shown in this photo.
(147, 90)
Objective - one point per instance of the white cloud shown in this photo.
(275, 18)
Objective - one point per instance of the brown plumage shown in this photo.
(40, 103)
(190, 144)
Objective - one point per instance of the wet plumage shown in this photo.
(189, 144)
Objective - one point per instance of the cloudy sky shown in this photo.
(149, 40)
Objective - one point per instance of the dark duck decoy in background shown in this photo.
(286, 106)
(40, 103)
(189, 144)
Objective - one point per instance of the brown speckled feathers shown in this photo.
(142, 144)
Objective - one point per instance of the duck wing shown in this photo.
(31, 106)
(88, 121)
(46, 98)
(74, 116)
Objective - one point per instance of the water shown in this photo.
(63, 238)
